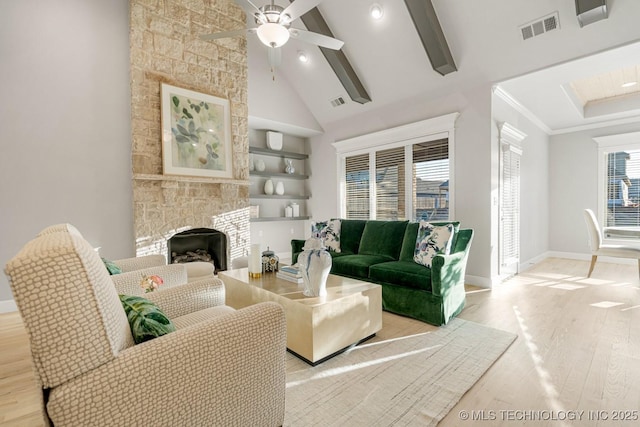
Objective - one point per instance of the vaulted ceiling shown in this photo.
(484, 38)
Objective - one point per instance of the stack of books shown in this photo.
(290, 273)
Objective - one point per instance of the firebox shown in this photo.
(199, 244)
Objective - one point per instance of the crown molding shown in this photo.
(516, 105)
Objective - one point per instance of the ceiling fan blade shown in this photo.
(275, 57)
(225, 34)
(315, 38)
(300, 7)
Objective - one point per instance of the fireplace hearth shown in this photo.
(199, 244)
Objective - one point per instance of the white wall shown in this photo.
(534, 182)
(271, 97)
(573, 172)
(473, 153)
(65, 145)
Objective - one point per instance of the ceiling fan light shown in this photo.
(273, 35)
(376, 11)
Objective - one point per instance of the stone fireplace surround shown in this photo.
(165, 48)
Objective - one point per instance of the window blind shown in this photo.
(390, 179)
(426, 172)
(510, 209)
(357, 186)
(623, 188)
(431, 180)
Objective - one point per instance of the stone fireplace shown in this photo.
(165, 49)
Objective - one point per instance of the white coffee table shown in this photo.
(317, 327)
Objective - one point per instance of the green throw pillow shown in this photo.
(146, 320)
(112, 268)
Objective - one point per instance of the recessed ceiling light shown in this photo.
(629, 84)
(376, 11)
(302, 56)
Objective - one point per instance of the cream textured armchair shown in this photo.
(598, 248)
(221, 367)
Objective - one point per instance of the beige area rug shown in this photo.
(413, 380)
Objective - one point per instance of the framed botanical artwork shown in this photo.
(196, 134)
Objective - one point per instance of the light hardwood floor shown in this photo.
(578, 349)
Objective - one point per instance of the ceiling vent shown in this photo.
(338, 101)
(590, 11)
(540, 26)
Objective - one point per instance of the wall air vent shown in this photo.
(337, 101)
(540, 26)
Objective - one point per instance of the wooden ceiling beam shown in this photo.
(338, 61)
(435, 45)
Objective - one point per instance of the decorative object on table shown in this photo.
(252, 166)
(274, 140)
(196, 130)
(255, 261)
(295, 208)
(279, 188)
(260, 165)
(270, 261)
(288, 211)
(289, 166)
(254, 211)
(314, 264)
(268, 187)
(289, 273)
(151, 283)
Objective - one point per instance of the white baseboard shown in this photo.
(8, 306)
(482, 282)
(587, 257)
(524, 266)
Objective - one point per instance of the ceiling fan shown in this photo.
(274, 27)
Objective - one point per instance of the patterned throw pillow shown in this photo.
(112, 268)
(146, 320)
(329, 232)
(432, 240)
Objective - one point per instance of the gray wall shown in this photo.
(65, 145)
(573, 163)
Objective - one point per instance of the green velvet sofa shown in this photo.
(382, 252)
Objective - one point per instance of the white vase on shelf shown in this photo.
(268, 187)
(279, 188)
(289, 166)
(260, 166)
(251, 164)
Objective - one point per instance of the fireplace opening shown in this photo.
(199, 244)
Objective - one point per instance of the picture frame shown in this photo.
(196, 134)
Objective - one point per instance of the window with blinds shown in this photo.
(431, 180)
(510, 208)
(357, 186)
(623, 188)
(426, 171)
(390, 179)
